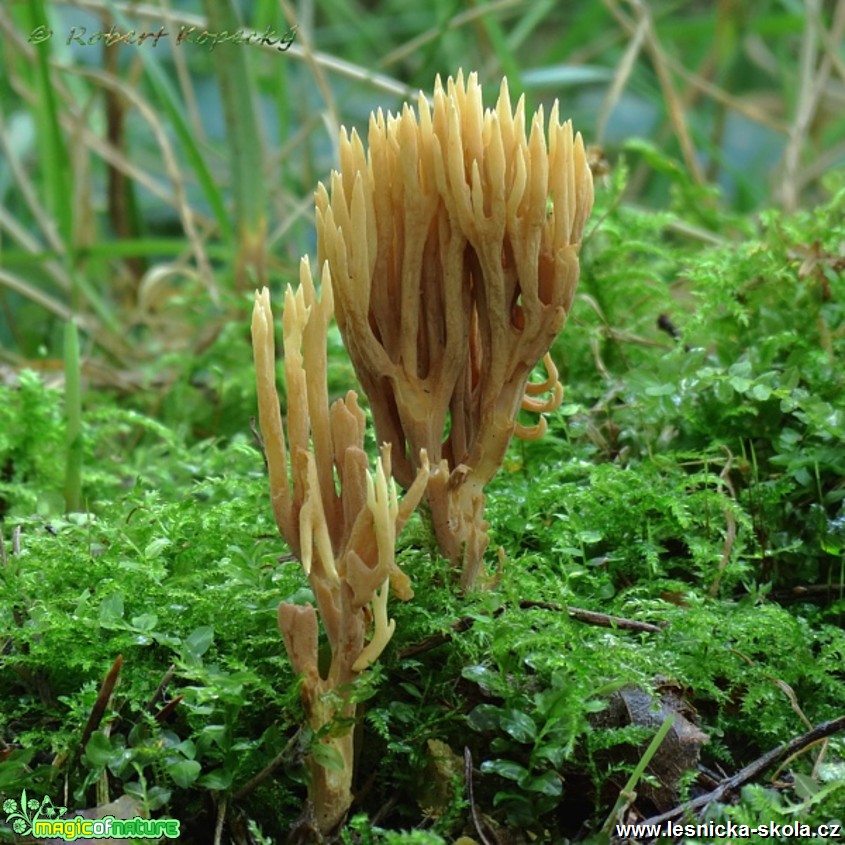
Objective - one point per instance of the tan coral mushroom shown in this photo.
(453, 245)
(345, 540)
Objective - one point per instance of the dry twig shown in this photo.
(752, 770)
(590, 617)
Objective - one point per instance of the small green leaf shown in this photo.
(548, 783)
(187, 748)
(199, 641)
(484, 717)
(505, 769)
(486, 678)
(661, 390)
(805, 786)
(215, 734)
(184, 773)
(723, 392)
(99, 752)
(327, 756)
(218, 779)
(519, 725)
(739, 384)
(741, 368)
(304, 595)
(554, 755)
(145, 622)
(111, 609)
(156, 547)
(656, 158)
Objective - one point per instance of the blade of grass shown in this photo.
(56, 214)
(23, 183)
(268, 14)
(674, 105)
(627, 794)
(454, 23)
(58, 184)
(58, 180)
(620, 80)
(246, 156)
(15, 283)
(507, 60)
(166, 98)
(172, 168)
(73, 416)
(150, 246)
(814, 75)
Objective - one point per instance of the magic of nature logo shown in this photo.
(29, 816)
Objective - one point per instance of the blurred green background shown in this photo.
(147, 188)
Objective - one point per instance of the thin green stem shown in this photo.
(73, 415)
